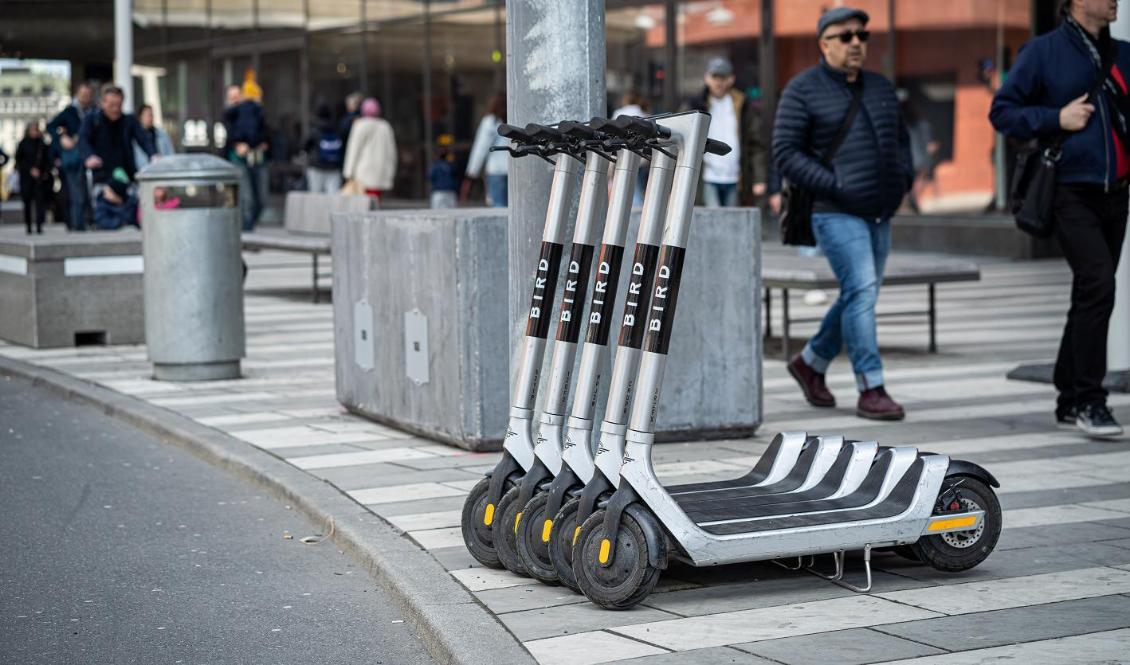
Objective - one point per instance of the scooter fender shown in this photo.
(960, 467)
(653, 533)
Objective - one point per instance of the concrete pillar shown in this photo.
(1118, 336)
(123, 50)
(554, 71)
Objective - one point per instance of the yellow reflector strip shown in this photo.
(955, 523)
(605, 550)
(488, 514)
(545, 529)
(516, 520)
(576, 532)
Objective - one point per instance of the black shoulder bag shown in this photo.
(796, 202)
(1032, 190)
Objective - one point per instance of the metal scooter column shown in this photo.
(547, 450)
(518, 449)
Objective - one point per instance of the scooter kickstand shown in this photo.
(799, 563)
(837, 578)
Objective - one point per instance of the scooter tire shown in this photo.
(505, 532)
(477, 535)
(532, 540)
(963, 550)
(629, 579)
(561, 538)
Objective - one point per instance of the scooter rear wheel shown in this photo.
(477, 534)
(561, 539)
(628, 579)
(505, 532)
(962, 550)
(533, 550)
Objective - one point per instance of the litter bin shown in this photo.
(190, 226)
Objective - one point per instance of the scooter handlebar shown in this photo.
(717, 147)
(646, 128)
(579, 131)
(543, 133)
(514, 133)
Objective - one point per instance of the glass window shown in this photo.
(327, 14)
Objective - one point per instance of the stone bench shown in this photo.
(307, 227)
(789, 271)
(421, 332)
(73, 289)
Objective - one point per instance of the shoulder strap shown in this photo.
(849, 120)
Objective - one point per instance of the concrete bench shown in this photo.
(307, 227)
(72, 290)
(787, 271)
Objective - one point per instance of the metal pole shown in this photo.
(555, 59)
(123, 50)
(1118, 334)
(1000, 165)
(671, 56)
(891, 61)
(427, 115)
(768, 75)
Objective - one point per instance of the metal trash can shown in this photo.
(190, 226)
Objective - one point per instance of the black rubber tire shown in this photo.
(561, 543)
(936, 552)
(478, 536)
(533, 552)
(907, 552)
(629, 579)
(503, 531)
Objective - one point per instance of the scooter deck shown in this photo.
(758, 474)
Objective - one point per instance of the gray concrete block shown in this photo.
(1022, 624)
(443, 275)
(57, 291)
(311, 213)
(573, 618)
(845, 647)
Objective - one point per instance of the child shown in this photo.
(445, 183)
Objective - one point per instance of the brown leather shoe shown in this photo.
(811, 383)
(876, 404)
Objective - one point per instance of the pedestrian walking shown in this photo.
(352, 112)
(33, 163)
(158, 138)
(246, 147)
(855, 194)
(63, 130)
(325, 154)
(1069, 87)
(444, 180)
(106, 146)
(370, 155)
(739, 176)
(492, 166)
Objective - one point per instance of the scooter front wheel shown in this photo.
(507, 519)
(961, 550)
(533, 540)
(476, 525)
(628, 578)
(564, 533)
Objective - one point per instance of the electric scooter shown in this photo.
(837, 496)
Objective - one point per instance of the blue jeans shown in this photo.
(78, 199)
(111, 216)
(719, 195)
(498, 190)
(251, 192)
(857, 250)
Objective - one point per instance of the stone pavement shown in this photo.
(1056, 590)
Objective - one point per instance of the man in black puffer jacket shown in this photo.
(855, 193)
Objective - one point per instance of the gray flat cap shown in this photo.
(840, 15)
(719, 67)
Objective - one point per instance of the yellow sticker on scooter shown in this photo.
(605, 550)
(545, 529)
(516, 520)
(488, 514)
(576, 532)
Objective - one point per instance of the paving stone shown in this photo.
(574, 618)
(712, 656)
(1058, 497)
(455, 558)
(1011, 563)
(1022, 624)
(358, 458)
(1065, 534)
(1106, 647)
(413, 507)
(385, 475)
(844, 647)
(400, 493)
(532, 596)
(319, 450)
(1121, 542)
(588, 648)
(433, 539)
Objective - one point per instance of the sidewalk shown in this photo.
(1059, 582)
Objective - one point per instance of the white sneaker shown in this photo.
(1096, 420)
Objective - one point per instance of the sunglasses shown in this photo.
(846, 37)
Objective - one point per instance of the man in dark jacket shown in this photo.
(735, 121)
(1048, 94)
(63, 130)
(855, 196)
(106, 146)
(247, 141)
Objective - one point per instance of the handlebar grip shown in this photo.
(717, 147)
(646, 128)
(543, 132)
(607, 126)
(578, 130)
(513, 133)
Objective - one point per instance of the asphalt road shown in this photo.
(118, 548)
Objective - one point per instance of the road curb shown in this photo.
(454, 626)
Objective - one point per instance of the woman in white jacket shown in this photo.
(491, 165)
(370, 155)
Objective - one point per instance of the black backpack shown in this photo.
(331, 149)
